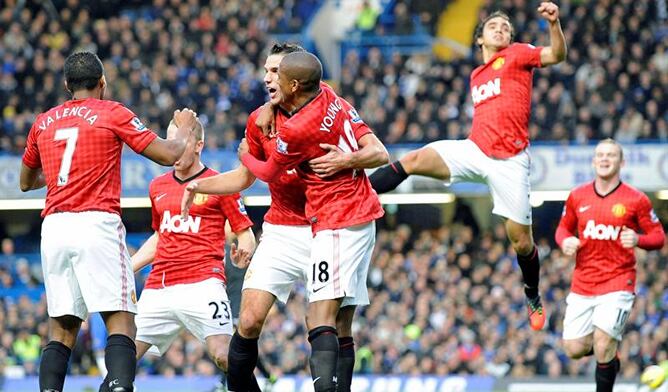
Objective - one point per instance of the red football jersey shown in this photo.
(191, 250)
(78, 146)
(501, 94)
(288, 198)
(602, 265)
(345, 199)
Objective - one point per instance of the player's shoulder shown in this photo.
(632, 192)
(163, 179)
(583, 190)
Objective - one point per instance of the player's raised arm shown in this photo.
(371, 154)
(167, 151)
(556, 52)
(145, 255)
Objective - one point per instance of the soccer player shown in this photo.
(74, 149)
(283, 255)
(496, 152)
(341, 208)
(603, 221)
(186, 287)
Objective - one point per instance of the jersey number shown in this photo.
(70, 135)
(216, 311)
(322, 273)
(349, 144)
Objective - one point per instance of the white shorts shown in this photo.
(508, 179)
(340, 262)
(607, 312)
(202, 308)
(282, 258)
(86, 264)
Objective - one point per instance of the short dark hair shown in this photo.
(285, 48)
(481, 26)
(83, 70)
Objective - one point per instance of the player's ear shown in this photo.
(66, 87)
(199, 146)
(103, 82)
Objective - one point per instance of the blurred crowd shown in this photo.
(443, 301)
(161, 55)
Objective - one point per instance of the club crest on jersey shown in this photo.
(618, 210)
(175, 224)
(498, 63)
(653, 217)
(139, 126)
(200, 199)
(242, 206)
(601, 231)
(486, 90)
(281, 146)
(354, 116)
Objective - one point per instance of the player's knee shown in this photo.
(522, 244)
(220, 359)
(411, 161)
(605, 349)
(250, 325)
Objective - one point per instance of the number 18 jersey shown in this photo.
(78, 145)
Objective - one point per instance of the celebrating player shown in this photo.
(74, 149)
(610, 219)
(283, 255)
(341, 208)
(186, 287)
(496, 153)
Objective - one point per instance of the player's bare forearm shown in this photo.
(146, 253)
(372, 154)
(31, 179)
(246, 240)
(556, 52)
(227, 183)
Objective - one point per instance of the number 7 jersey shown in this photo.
(346, 198)
(78, 145)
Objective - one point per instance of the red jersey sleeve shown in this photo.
(253, 138)
(359, 127)
(569, 221)
(528, 55)
(31, 156)
(127, 126)
(654, 237)
(235, 211)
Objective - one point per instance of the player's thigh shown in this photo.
(102, 265)
(204, 308)
(450, 161)
(612, 311)
(57, 248)
(157, 324)
(578, 318)
(508, 181)
(281, 259)
(340, 262)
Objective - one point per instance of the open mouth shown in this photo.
(272, 91)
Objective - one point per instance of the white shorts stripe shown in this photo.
(336, 262)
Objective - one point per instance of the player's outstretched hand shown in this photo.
(570, 246)
(331, 163)
(266, 120)
(243, 148)
(185, 117)
(187, 199)
(240, 257)
(628, 238)
(549, 11)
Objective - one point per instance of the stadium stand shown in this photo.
(444, 301)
